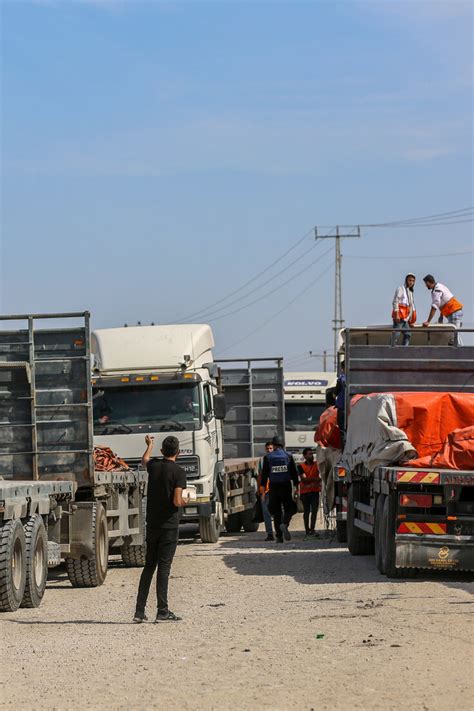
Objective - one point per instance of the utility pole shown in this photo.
(324, 356)
(338, 321)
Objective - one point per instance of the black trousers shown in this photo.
(160, 549)
(281, 504)
(310, 503)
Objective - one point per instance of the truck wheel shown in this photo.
(233, 523)
(249, 525)
(91, 572)
(341, 531)
(379, 533)
(36, 561)
(134, 556)
(357, 542)
(388, 541)
(210, 528)
(12, 565)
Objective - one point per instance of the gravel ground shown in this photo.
(298, 626)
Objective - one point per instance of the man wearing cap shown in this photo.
(279, 470)
(404, 311)
(441, 298)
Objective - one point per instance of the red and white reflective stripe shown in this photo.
(419, 477)
(438, 529)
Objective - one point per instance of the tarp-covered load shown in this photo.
(328, 452)
(416, 428)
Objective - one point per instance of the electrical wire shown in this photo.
(205, 309)
(210, 315)
(307, 288)
(452, 214)
(411, 256)
(272, 291)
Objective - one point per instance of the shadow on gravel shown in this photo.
(69, 622)
(320, 562)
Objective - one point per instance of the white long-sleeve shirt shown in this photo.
(404, 296)
(440, 295)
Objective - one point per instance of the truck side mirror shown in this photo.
(219, 406)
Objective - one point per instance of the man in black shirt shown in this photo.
(166, 482)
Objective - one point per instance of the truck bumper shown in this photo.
(434, 552)
(197, 510)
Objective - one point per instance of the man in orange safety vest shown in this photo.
(444, 301)
(404, 310)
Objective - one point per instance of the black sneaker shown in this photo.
(269, 537)
(285, 532)
(138, 619)
(279, 539)
(167, 617)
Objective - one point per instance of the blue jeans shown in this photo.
(267, 518)
(405, 326)
(456, 319)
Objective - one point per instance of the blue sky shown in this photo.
(156, 156)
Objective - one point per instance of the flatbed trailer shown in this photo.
(54, 505)
(410, 518)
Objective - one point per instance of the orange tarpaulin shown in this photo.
(429, 418)
(456, 453)
(327, 432)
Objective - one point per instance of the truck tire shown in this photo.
(233, 523)
(388, 541)
(36, 561)
(341, 531)
(91, 572)
(379, 533)
(249, 525)
(357, 542)
(210, 528)
(134, 556)
(12, 565)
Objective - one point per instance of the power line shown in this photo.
(272, 291)
(210, 314)
(412, 256)
(309, 286)
(452, 214)
(205, 309)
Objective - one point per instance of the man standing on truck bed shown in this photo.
(442, 299)
(166, 482)
(280, 471)
(404, 311)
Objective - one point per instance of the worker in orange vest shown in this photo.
(310, 487)
(444, 301)
(404, 310)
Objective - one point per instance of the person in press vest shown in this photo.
(404, 310)
(443, 300)
(267, 517)
(279, 470)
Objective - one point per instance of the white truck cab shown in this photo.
(305, 401)
(160, 381)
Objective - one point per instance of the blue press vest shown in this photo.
(279, 467)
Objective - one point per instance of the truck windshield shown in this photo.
(303, 416)
(157, 408)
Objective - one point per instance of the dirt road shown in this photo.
(298, 626)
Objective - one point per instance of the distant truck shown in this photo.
(410, 517)
(305, 401)
(54, 505)
(162, 380)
